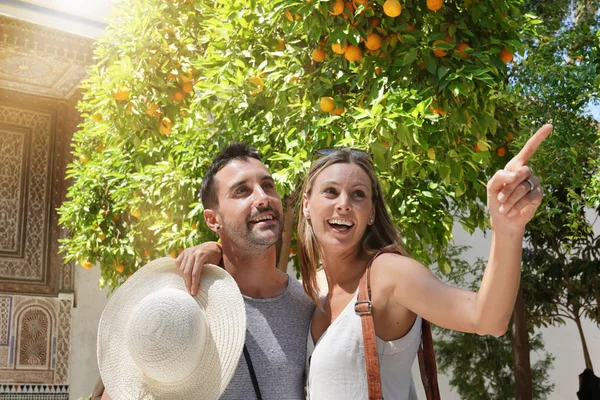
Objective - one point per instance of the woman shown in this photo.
(344, 225)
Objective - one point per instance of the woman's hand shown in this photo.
(514, 193)
(191, 261)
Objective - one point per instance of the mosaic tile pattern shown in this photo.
(34, 392)
(40, 60)
(39, 341)
(36, 180)
(5, 310)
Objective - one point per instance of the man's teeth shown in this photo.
(263, 218)
(340, 222)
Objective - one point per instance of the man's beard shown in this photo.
(255, 241)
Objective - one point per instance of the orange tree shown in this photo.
(420, 84)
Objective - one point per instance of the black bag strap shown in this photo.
(252, 373)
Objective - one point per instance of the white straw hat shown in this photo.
(155, 341)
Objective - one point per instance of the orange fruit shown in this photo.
(121, 94)
(83, 158)
(375, 22)
(102, 236)
(178, 96)
(461, 50)
(377, 71)
(146, 253)
(437, 110)
(186, 77)
(294, 79)
(258, 83)
(338, 48)
(435, 5)
(358, 3)
(392, 8)
(439, 52)
(136, 213)
(289, 17)
(187, 87)
(353, 53)
(173, 254)
(86, 264)
(319, 55)
(152, 109)
(373, 41)
(510, 137)
(327, 104)
(506, 55)
(280, 45)
(97, 117)
(338, 7)
(165, 126)
(116, 218)
(338, 111)
(120, 268)
(350, 7)
(501, 151)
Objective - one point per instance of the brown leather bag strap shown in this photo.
(364, 308)
(427, 365)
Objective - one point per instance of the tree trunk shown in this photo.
(520, 351)
(286, 240)
(586, 353)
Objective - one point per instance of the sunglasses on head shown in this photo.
(327, 151)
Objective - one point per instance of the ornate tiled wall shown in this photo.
(34, 340)
(40, 71)
(26, 152)
(42, 61)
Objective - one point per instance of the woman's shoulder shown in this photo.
(389, 267)
(395, 260)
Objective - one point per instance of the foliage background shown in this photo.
(437, 126)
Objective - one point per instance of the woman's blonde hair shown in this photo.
(381, 235)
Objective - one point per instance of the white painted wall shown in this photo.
(89, 303)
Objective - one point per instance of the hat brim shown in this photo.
(225, 312)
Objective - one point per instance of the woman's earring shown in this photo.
(218, 227)
(307, 215)
(371, 221)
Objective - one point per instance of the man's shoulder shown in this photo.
(296, 290)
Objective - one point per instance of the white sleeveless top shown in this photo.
(336, 363)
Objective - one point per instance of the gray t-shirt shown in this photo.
(276, 341)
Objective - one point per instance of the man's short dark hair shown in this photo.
(233, 151)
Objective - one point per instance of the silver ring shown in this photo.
(531, 185)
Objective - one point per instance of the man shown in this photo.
(242, 206)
